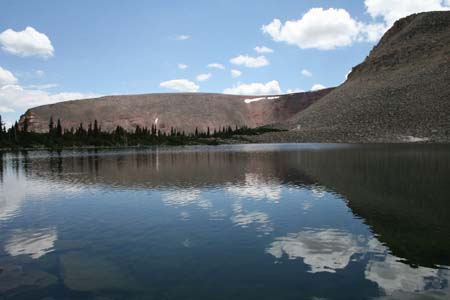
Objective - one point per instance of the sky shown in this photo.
(53, 50)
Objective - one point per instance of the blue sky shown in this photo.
(78, 49)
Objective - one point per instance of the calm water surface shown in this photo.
(229, 222)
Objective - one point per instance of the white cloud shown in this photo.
(263, 49)
(203, 77)
(372, 32)
(392, 10)
(15, 97)
(291, 91)
(272, 87)
(4, 109)
(183, 37)
(306, 73)
(216, 66)
(235, 73)
(181, 85)
(318, 28)
(183, 66)
(249, 61)
(324, 29)
(6, 77)
(42, 86)
(317, 87)
(28, 42)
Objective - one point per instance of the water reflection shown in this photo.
(297, 221)
(324, 250)
(34, 243)
(256, 188)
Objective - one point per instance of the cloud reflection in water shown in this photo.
(34, 243)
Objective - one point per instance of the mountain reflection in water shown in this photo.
(251, 222)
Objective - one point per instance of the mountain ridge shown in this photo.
(400, 93)
(181, 111)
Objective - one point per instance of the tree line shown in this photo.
(19, 136)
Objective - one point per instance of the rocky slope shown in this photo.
(181, 111)
(400, 93)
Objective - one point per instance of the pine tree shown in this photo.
(50, 125)
(96, 130)
(59, 131)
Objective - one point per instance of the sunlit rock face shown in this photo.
(184, 112)
(35, 242)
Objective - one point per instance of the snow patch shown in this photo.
(414, 139)
(259, 99)
(156, 121)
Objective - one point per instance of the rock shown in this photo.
(401, 89)
(184, 112)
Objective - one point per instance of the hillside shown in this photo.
(400, 93)
(184, 112)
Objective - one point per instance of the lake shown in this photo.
(293, 221)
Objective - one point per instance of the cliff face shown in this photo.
(400, 93)
(181, 111)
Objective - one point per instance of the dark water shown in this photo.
(232, 222)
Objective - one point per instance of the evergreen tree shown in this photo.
(50, 125)
(59, 131)
(96, 129)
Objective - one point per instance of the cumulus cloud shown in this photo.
(263, 49)
(269, 88)
(323, 29)
(42, 86)
(182, 66)
(28, 42)
(203, 77)
(235, 73)
(306, 73)
(317, 87)
(249, 61)
(15, 97)
(4, 109)
(216, 66)
(183, 37)
(6, 77)
(327, 29)
(392, 10)
(291, 91)
(181, 85)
